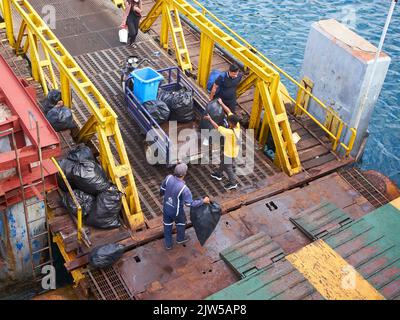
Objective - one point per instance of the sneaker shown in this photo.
(217, 176)
(230, 186)
(183, 241)
(168, 248)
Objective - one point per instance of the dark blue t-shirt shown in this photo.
(227, 89)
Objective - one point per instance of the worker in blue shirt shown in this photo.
(176, 195)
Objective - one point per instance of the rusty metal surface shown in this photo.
(320, 221)
(360, 182)
(281, 281)
(107, 284)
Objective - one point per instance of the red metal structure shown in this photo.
(20, 99)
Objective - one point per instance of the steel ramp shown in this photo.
(321, 220)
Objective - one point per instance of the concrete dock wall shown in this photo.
(339, 62)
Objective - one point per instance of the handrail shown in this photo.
(338, 135)
(72, 194)
(317, 100)
(103, 120)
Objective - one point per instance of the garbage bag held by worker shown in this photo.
(80, 153)
(106, 211)
(85, 200)
(158, 110)
(214, 109)
(60, 118)
(204, 219)
(51, 100)
(89, 177)
(66, 166)
(105, 256)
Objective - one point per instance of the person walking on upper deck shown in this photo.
(225, 87)
(131, 18)
(231, 146)
(176, 195)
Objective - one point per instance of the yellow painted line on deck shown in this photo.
(396, 203)
(331, 275)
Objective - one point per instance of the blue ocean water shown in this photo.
(279, 29)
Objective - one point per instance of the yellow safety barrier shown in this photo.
(265, 78)
(72, 194)
(36, 36)
(2, 24)
(260, 67)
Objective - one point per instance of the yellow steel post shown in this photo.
(164, 28)
(256, 112)
(21, 34)
(7, 15)
(65, 88)
(34, 56)
(206, 55)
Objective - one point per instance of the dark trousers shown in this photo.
(228, 165)
(133, 26)
(180, 222)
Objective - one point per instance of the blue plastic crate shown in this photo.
(146, 82)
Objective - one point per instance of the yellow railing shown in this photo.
(72, 195)
(330, 112)
(46, 51)
(273, 68)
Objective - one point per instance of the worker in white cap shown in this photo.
(176, 194)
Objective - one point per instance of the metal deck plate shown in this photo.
(281, 281)
(252, 254)
(373, 248)
(326, 271)
(320, 221)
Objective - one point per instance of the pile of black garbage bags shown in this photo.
(59, 116)
(99, 199)
(172, 105)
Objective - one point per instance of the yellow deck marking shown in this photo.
(331, 275)
(396, 203)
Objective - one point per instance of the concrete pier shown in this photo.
(340, 64)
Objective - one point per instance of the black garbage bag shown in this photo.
(66, 166)
(106, 255)
(89, 177)
(86, 201)
(216, 113)
(60, 118)
(106, 211)
(51, 100)
(165, 96)
(158, 110)
(80, 153)
(180, 103)
(204, 219)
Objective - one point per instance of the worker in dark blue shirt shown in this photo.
(225, 87)
(176, 195)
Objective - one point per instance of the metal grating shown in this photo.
(361, 184)
(108, 284)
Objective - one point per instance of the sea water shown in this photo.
(279, 29)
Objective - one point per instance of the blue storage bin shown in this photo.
(146, 82)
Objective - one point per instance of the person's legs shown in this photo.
(168, 222)
(180, 222)
(217, 174)
(229, 164)
(132, 32)
(136, 23)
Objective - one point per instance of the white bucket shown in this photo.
(123, 35)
